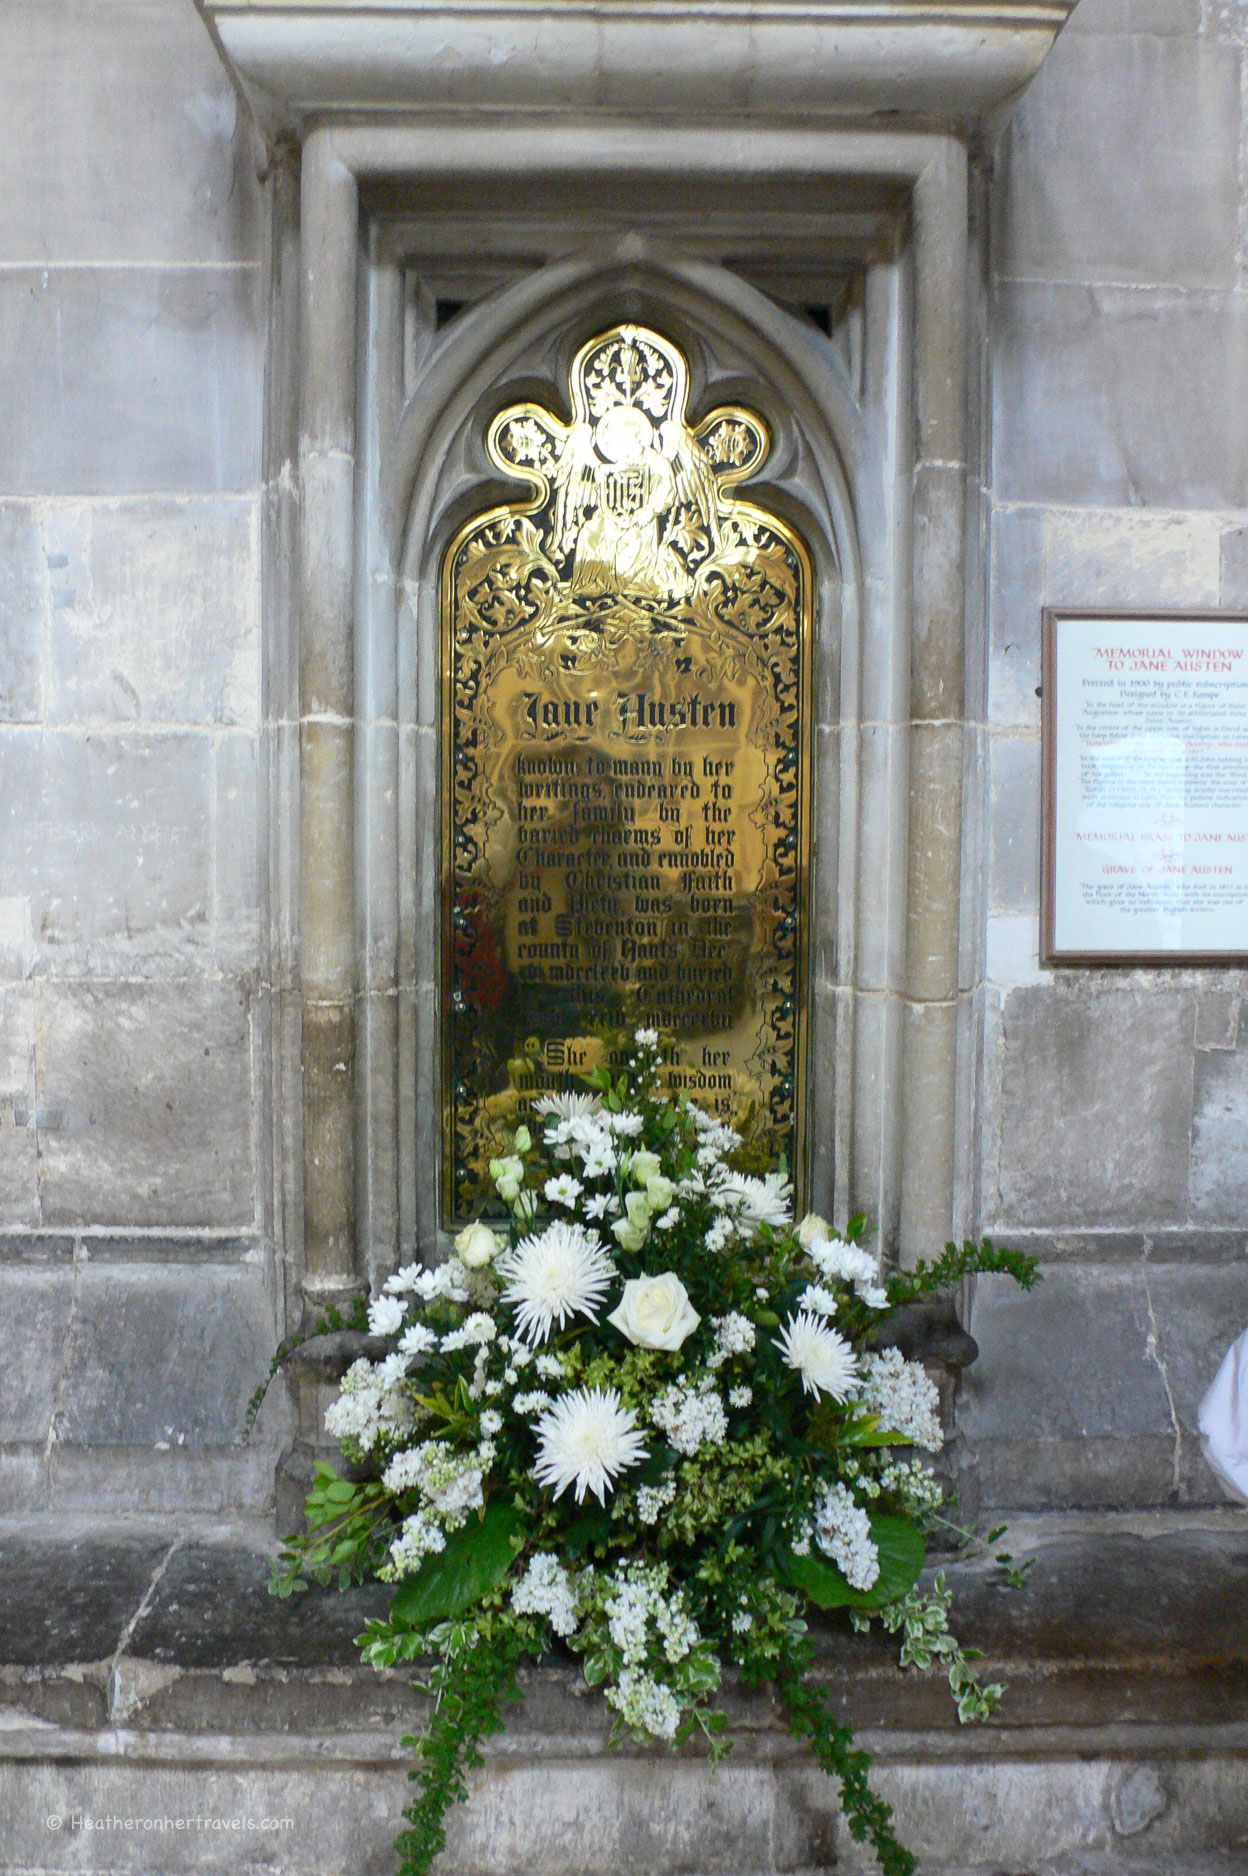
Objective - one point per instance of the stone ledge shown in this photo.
(1123, 1623)
(954, 61)
(146, 1673)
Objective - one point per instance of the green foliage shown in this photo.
(476, 1559)
(900, 1548)
(724, 1438)
(349, 1527)
(926, 1279)
(926, 1642)
(866, 1814)
(470, 1686)
(332, 1321)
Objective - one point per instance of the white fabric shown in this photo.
(1223, 1419)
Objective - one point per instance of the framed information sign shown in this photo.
(1145, 788)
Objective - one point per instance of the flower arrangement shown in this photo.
(645, 1416)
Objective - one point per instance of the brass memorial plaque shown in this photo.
(626, 784)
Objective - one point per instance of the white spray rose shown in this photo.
(633, 1230)
(659, 1192)
(508, 1177)
(812, 1227)
(476, 1246)
(655, 1312)
(643, 1166)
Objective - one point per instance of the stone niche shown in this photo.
(466, 194)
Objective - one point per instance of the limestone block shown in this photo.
(1197, 1312)
(236, 852)
(19, 1146)
(1180, 18)
(1016, 599)
(164, 1357)
(1234, 585)
(35, 1308)
(75, 1599)
(110, 839)
(93, 1481)
(1220, 1138)
(319, 1822)
(1104, 395)
(131, 149)
(1096, 1102)
(117, 380)
(1014, 824)
(1065, 1406)
(650, 1817)
(1012, 949)
(151, 1087)
(1154, 196)
(154, 611)
(21, 615)
(1115, 557)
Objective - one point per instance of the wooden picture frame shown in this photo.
(1144, 788)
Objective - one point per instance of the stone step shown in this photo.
(154, 1698)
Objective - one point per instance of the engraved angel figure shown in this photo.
(619, 485)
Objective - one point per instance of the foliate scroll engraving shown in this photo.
(626, 728)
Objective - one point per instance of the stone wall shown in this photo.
(137, 1290)
(1114, 1104)
(141, 1256)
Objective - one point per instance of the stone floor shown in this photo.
(149, 1678)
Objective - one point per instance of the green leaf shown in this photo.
(476, 1558)
(901, 1558)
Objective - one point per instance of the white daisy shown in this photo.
(584, 1440)
(563, 1272)
(565, 1190)
(823, 1358)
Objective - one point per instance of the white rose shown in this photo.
(476, 1246)
(655, 1312)
(812, 1227)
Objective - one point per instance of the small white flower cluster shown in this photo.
(904, 1396)
(368, 1406)
(547, 1589)
(842, 1531)
(734, 1335)
(640, 1615)
(653, 1500)
(645, 1704)
(691, 1416)
(449, 1482)
(914, 1484)
(644, 1620)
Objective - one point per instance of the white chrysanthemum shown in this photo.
(584, 1440)
(824, 1359)
(385, 1315)
(563, 1272)
(567, 1106)
(753, 1202)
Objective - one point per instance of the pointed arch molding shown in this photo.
(658, 216)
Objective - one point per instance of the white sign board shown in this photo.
(1146, 789)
